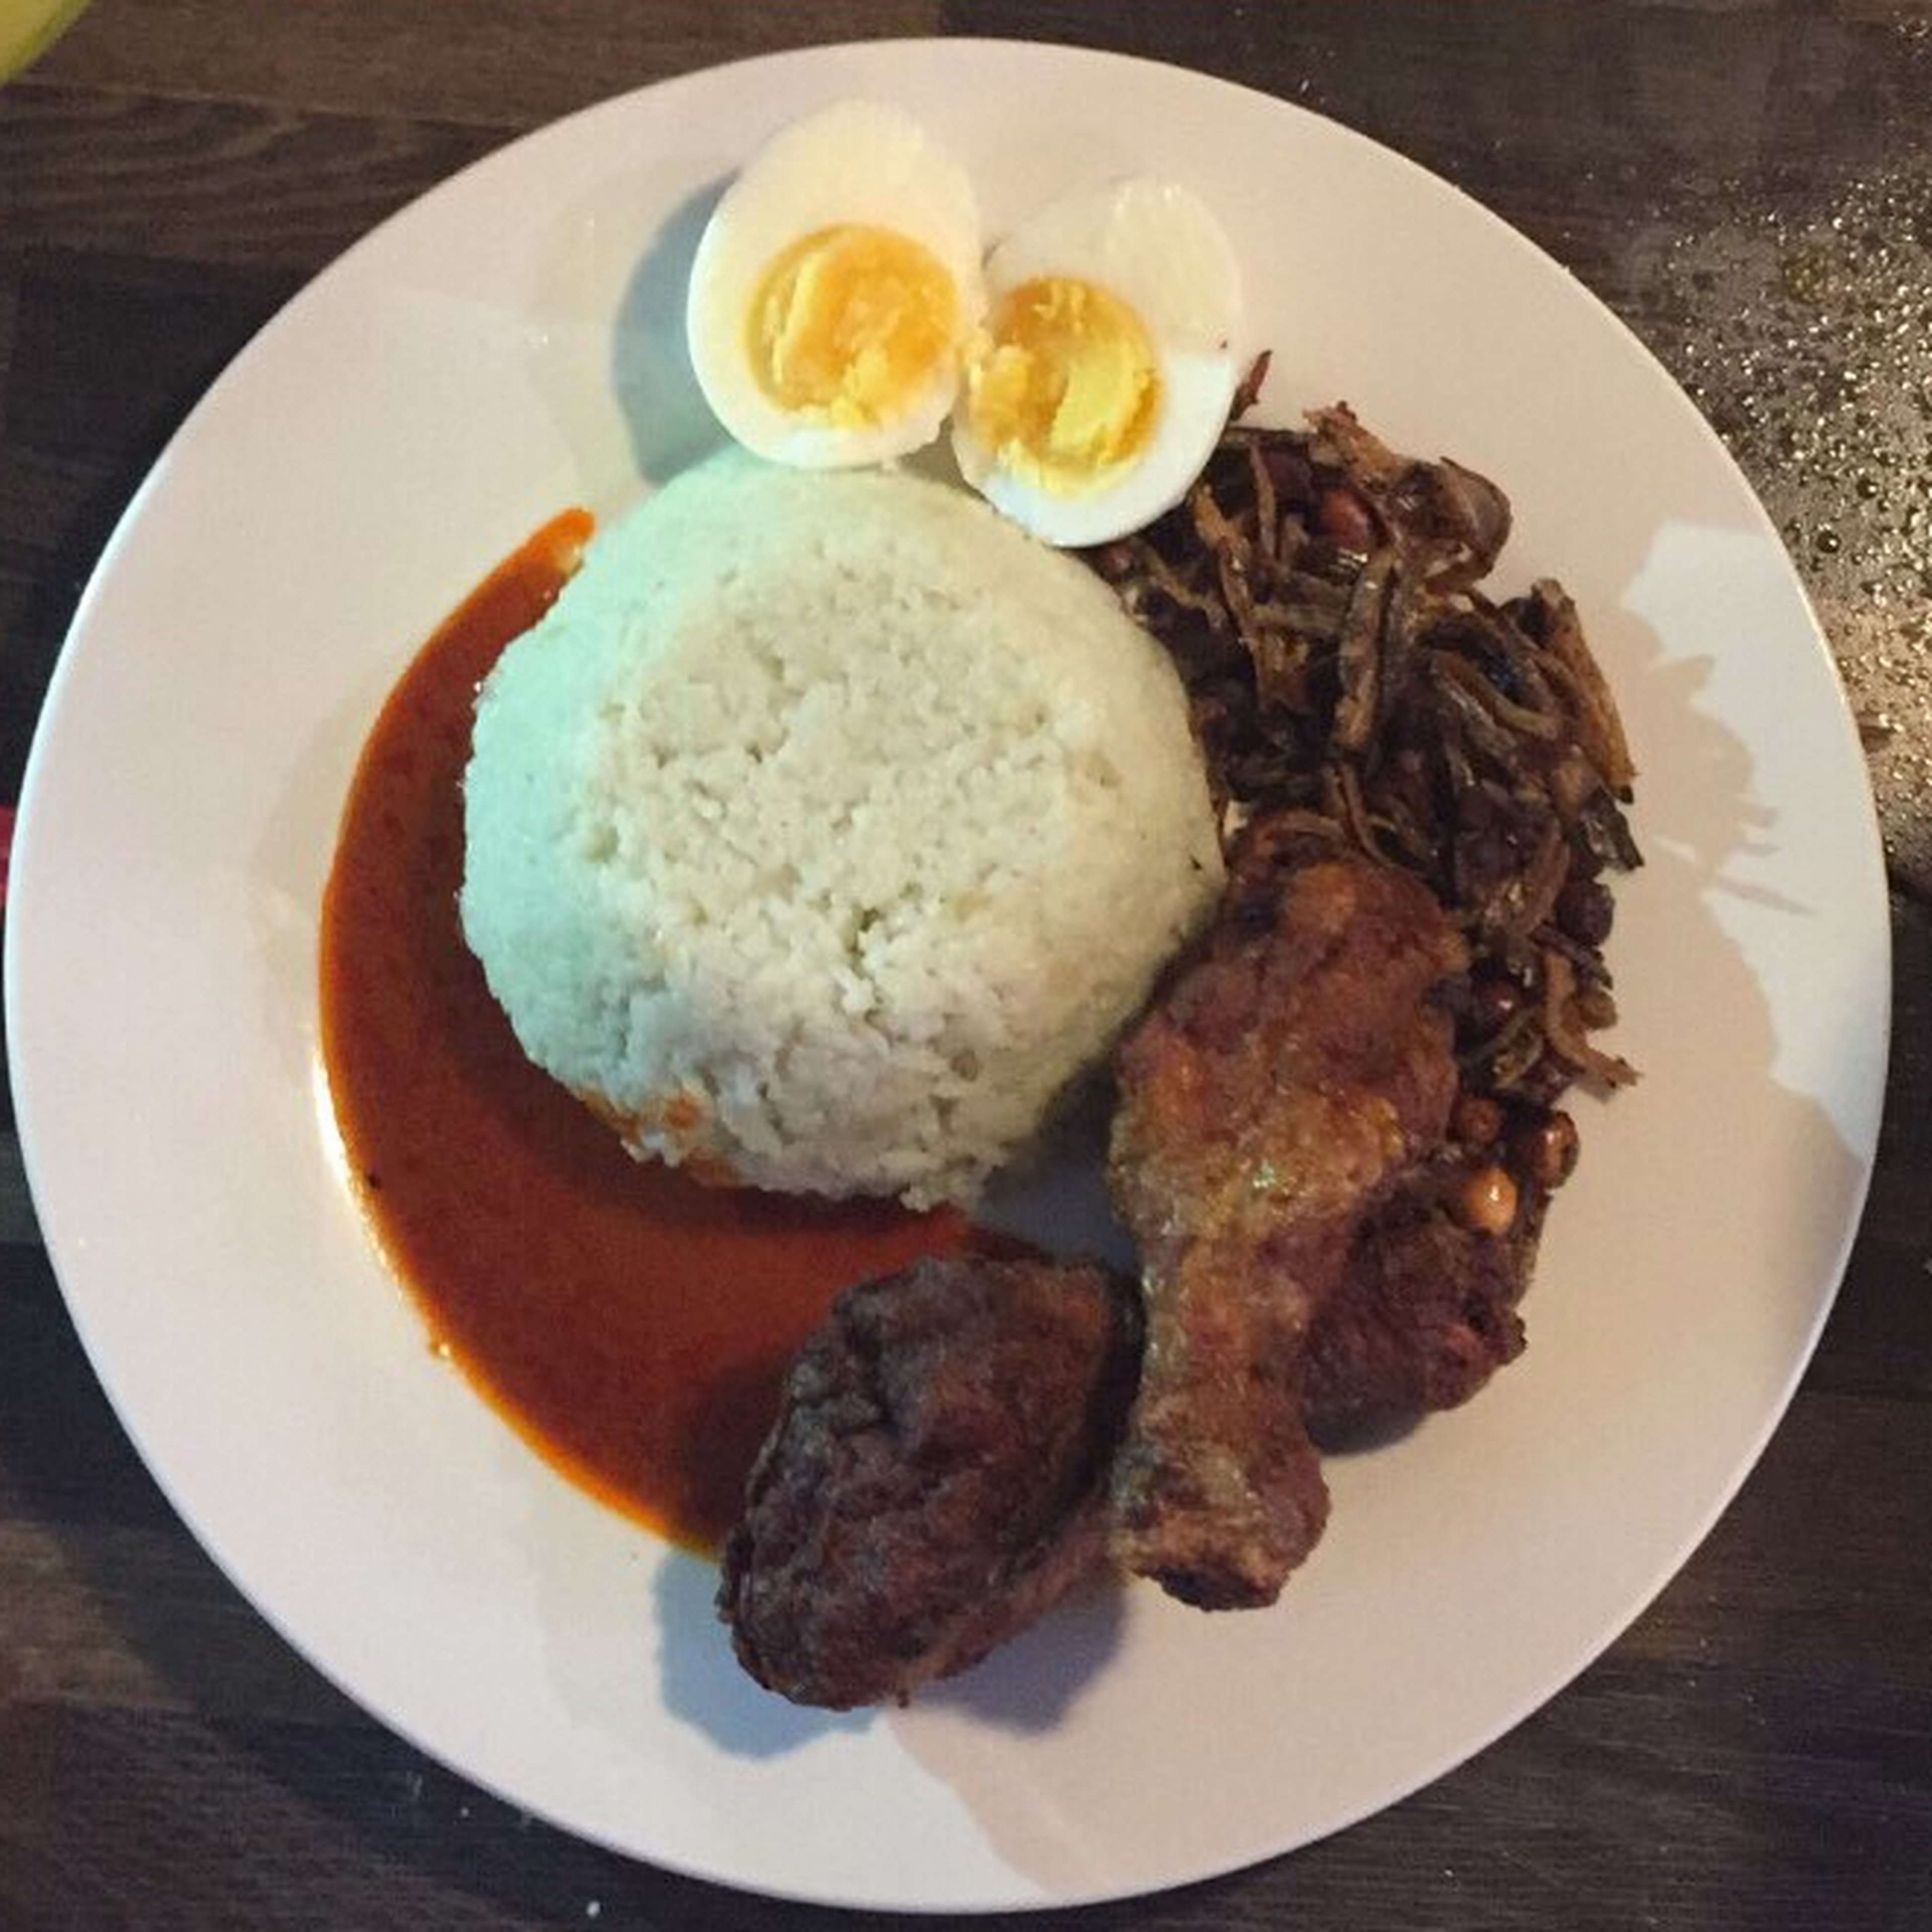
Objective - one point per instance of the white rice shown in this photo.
(827, 827)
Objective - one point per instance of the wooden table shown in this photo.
(1749, 183)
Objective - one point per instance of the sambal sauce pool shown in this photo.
(634, 1326)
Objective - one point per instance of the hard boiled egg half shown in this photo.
(1108, 363)
(836, 291)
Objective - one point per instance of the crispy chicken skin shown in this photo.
(1286, 1083)
(937, 1477)
(1425, 1313)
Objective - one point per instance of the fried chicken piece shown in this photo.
(1424, 1314)
(937, 1477)
(1277, 1093)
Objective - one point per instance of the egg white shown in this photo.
(1160, 249)
(858, 162)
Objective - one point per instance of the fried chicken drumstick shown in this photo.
(1285, 1085)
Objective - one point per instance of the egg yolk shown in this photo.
(1068, 389)
(851, 325)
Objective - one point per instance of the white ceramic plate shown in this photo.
(509, 346)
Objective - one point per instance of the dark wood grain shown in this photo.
(495, 63)
(1756, 1754)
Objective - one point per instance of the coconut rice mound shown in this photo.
(827, 827)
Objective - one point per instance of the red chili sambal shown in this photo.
(632, 1325)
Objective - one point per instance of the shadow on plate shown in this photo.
(702, 1683)
(670, 425)
(604, 339)
(1029, 1685)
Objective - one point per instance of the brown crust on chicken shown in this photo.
(936, 1479)
(1424, 1314)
